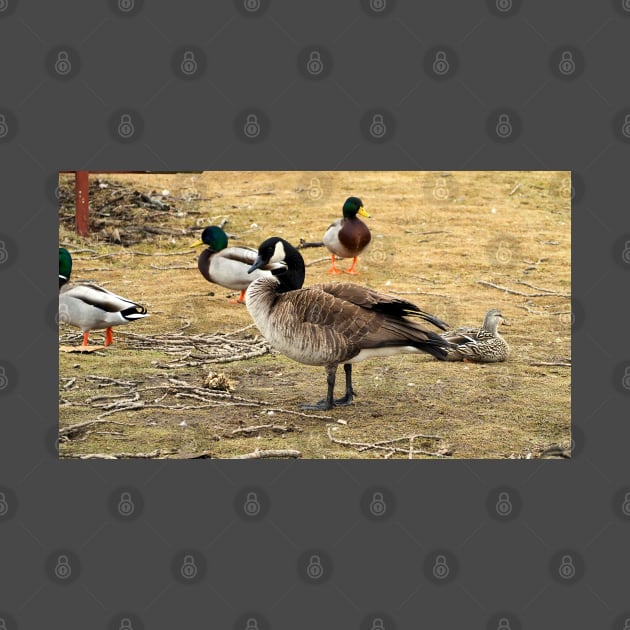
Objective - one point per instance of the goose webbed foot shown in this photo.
(322, 405)
(325, 404)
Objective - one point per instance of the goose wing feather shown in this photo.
(323, 319)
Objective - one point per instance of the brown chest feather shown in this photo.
(354, 235)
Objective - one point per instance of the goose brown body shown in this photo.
(330, 324)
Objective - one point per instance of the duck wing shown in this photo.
(100, 298)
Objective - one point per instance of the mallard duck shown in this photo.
(482, 345)
(91, 307)
(349, 236)
(330, 324)
(227, 266)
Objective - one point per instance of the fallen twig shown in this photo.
(275, 428)
(554, 363)
(383, 446)
(514, 292)
(269, 453)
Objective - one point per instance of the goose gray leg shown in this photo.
(347, 399)
(326, 403)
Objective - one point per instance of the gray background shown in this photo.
(376, 59)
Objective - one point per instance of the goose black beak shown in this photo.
(259, 262)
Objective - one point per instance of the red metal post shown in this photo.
(82, 198)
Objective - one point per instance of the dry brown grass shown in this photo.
(435, 236)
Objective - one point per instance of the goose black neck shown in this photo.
(292, 276)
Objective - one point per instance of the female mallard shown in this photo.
(227, 266)
(349, 236)
(482, 345)
(89, 307)
(329, 324)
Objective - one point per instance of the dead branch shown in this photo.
(303, 244)
(531, 286)
(157, 454)
(161, 268)
(514, 190)
(74, 429)
(275, 428)
(317, 261)
(269, 453)
(383, 446)
(514, 292)
(442, 295)
(554, 363)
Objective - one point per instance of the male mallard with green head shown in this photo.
(349, 236)
(91, 307)
(227, 266)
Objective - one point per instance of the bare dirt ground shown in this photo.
(196, 380)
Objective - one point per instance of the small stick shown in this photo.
(263, 454)
(513, 292)
(514, 189)
(555, 363)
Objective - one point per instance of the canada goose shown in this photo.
(226, 266)
(335, 323)
(349, 236)
(482, 345)
(89, 307)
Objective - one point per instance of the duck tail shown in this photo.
(134, 312)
